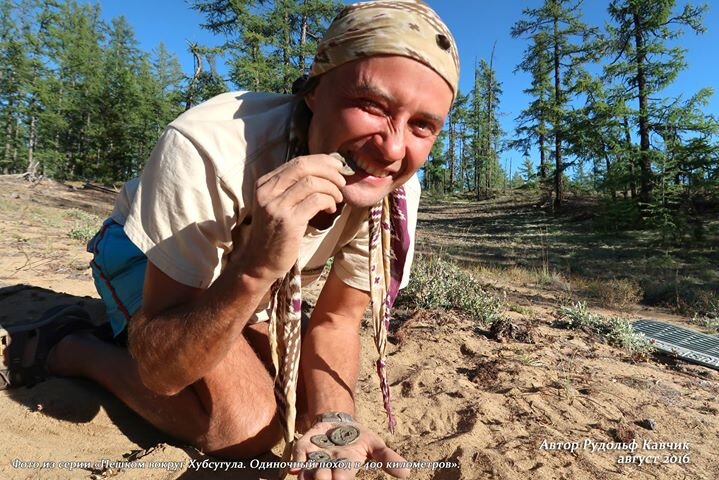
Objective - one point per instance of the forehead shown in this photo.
(404, 79)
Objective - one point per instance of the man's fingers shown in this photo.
(308, 185)
(344, 473)
(300, 455)
(382, 453)
(285, 175)
(312, 189)
(323, 474)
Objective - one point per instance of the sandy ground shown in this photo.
(552, 409)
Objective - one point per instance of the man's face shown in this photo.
(384, 113)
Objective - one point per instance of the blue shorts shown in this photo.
(118, 268)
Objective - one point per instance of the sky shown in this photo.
(476, 26)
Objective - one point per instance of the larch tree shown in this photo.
(638, 43)
(568, 40)
(532, 122)
(267, 41)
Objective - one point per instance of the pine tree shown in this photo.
(645, 63)
(527, 171)
(267, 41)
(434, 167)
(121, 122)
(487, 130)
(532, 122)
(71, 130)
(15, 76)
(568, 40)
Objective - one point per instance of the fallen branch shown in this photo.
(99, 188)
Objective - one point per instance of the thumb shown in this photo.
(388, 457)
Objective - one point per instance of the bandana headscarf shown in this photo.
(397, 27)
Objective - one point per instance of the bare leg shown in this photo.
(231, 412)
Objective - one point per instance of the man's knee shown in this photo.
(246, 435)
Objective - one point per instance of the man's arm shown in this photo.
(181, 332)
(330, 364)
(331, 349)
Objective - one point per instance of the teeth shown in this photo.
(369, 169)
(347, 164)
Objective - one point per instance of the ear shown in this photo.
(311, 99)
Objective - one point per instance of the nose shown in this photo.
(391, 143)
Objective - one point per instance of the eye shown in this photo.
(371, 106)
(423, 128)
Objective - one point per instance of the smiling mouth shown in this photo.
(355, 164)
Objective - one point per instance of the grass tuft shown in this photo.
(707, 311)
(618, 292)
(440, 284)
(85, 225)
(618, 331)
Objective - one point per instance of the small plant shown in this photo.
(617, 214)
(527, 360)
(440, 284)
(618, 331)
(616, 292)
(711, 323)
(83, 232)
(85, 225)
(707, 311)
(82, 216)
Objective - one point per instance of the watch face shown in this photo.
(335, 417)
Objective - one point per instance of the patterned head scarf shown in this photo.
(392, 27)
(397, 27)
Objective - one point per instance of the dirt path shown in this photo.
(552, 409)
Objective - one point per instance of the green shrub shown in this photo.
(618, 292)
(85, 225)
(83, 232)
(617, 331)
(706, 308)
(440, 284)
(617, 214)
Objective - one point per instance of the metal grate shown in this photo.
(686, 344)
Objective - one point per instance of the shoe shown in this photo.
(24, 347)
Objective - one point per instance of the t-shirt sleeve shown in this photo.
(181, 217)
(351, 263)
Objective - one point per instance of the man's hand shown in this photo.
(286, 199)
(368, 446)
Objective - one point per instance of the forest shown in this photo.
(80, 100)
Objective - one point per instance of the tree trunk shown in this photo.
(644, 160)
(630, 158)
(461, 158)
(32, 164)
(476, 148)
(608, 163)
(490, 111)
(16, 135)
(8, 139)
(286, 49)
(198, 70)
(557, 128)
(450, 156)
(303, 38)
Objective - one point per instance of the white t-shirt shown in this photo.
(191, 207)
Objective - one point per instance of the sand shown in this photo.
(563, 407)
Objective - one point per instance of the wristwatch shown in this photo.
(334, 417)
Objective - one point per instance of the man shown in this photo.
(235, 188)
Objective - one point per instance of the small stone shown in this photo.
(466, 350)
(648, 423)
